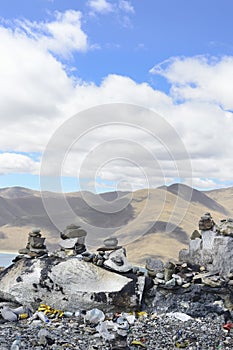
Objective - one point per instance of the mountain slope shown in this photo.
(155, 222)
(224, 196)
(196, 196)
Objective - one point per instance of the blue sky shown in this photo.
(62, 57)
(156, 31)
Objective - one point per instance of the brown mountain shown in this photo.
(155, 222)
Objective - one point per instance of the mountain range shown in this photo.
(149, 223)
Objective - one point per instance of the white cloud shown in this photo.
(121, 9)
(17, 163)
(100, 6)
(37, 95)
(126, 6)
(33, 88)
(200, 78)
(63, 36)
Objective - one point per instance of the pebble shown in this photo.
(156, 333)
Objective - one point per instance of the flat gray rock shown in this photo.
(68, 285)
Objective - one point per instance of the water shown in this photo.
(6, 259)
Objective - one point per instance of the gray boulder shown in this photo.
(69, 284)
(213, 251)
(73, 231)
(154, 266)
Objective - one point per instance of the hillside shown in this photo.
(157, 222)
(223, 196)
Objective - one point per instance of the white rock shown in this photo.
(68, 243)
(214, 252)
(180, 316)
(117, 261)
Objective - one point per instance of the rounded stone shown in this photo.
(111, 242)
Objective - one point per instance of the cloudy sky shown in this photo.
(60, 57)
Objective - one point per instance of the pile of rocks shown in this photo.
(35, 246)
(199, 285)
(170, 274)
(208, 261)
(114, 256)
(206, 222)
(111, 256)
(226, 227)
(212, 247)
(73, 240)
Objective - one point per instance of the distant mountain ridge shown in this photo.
(186, 192)
(22, 208)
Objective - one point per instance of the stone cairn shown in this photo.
(35, 246)
(211, 247)
(207, 261)
(226, 227)
(73, 240)
(206, 223)
(111, 256)
(170, 274)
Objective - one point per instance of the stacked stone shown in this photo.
(112, 256)
(73, 240)
(110, 245)
(155, 268)
(206, 223)
(195, 234)
(214, 250)
(175, 275)
(226, 227)
(170, 274)
(35, 246)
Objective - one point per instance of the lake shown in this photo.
(6, 258)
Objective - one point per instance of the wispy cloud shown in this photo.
(100, 6)
(199, 78)
(62, 36)
(123, 9)
(126, 6)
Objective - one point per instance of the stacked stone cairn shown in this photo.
(206, 223)
(212, 250)
(208, 261)
(111, 256)
(169, 274)
(35, 246)
(73, 240)
(226, 227)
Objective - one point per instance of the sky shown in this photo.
(59, 58)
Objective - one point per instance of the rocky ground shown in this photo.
(154, 332)
(188, 304)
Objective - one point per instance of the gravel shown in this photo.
(155, 332)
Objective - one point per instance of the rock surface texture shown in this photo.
(80, 301)
(214, 248)
(69, 284)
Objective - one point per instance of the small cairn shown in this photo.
(112, 256)
(73, 240)
(110, 244)
(171, 274)
(35, 246)
(225, 227)
(206, 223)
